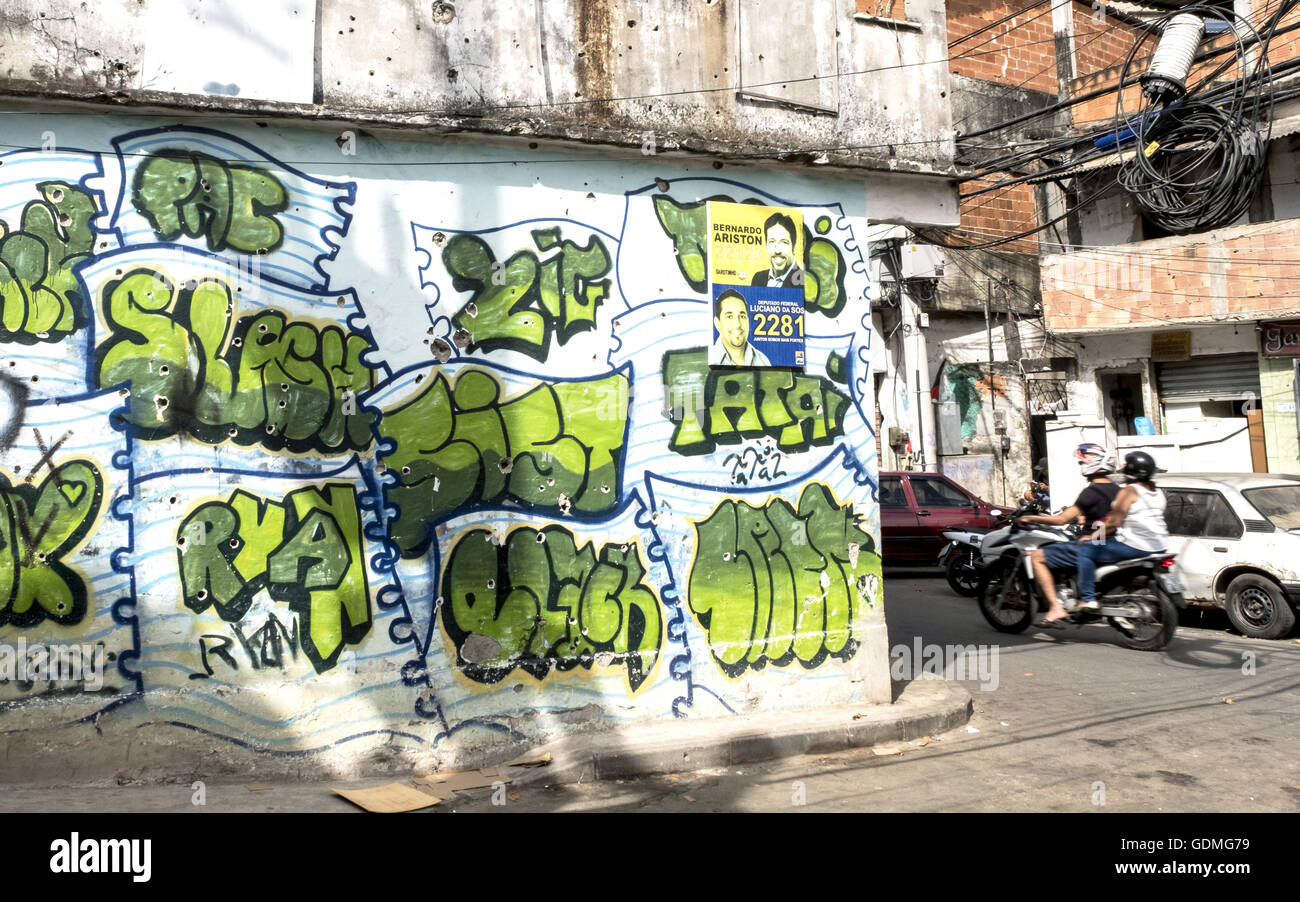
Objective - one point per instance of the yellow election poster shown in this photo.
(756, 284)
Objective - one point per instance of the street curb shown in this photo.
(922, 708)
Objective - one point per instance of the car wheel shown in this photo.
(1257, 607)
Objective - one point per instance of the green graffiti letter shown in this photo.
(558, 447)
(189, 193)
(195, 367)
(518, 304)
(38, 527)
(772, 585)
(306, 552)
(39, 296)
(541, 603)
(712, 407)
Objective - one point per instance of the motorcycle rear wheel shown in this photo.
(963, 578)
(1153, 634)
(1012, 610)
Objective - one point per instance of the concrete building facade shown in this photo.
(357, 397)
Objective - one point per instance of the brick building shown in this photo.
(1187, 337)
(991, 363)
(1183, 337)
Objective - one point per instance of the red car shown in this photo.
(916, 507)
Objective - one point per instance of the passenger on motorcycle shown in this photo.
(1091, 507)
(1135, 526)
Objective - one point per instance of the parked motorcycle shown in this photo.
(1140, 598)
(961, 557)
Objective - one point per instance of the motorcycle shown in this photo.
(1140, 598)
(961, 558)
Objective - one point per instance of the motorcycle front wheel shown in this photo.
(1007, 604)
(1154, 631)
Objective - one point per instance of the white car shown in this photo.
(1237, 540)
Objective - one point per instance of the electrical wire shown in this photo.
(1098, 92)
(1199, 163)
(997, 22)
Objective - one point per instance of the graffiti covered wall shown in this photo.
(413, 445)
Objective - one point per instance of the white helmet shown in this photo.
(1094, 460)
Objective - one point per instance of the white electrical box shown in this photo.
(922, 261)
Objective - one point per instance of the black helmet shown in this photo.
(1140, 466)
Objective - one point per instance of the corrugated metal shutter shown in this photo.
(1218, 377)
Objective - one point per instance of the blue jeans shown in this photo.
(1093, 553)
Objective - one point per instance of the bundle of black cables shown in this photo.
(1197, 163)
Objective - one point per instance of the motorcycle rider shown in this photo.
(1135, 526)
(1091, 507)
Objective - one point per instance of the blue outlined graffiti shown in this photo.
(477, 438)
(679, 509)
(47, 211)
(50, 438)
(311, 224)
(527, 283)
(203, 350)
(533, 410)
(194, 654)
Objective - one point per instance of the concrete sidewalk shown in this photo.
(921, 708)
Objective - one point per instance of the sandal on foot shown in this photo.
(1046, 624)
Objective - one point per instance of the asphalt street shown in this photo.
(1075, 723)
(1063, 721)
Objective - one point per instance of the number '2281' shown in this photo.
(772, 325)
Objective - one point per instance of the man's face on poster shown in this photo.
(780, 248)
(733, 323)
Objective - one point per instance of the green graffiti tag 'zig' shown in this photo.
(182, 192)
(687, 225)
(518, 304)
(39, 296)
(719, 406)
(774, 585)
(306, 552)
(556, 447)
(37, 527)
(539, 603)
(195, 368)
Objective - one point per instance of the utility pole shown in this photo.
(995, 436)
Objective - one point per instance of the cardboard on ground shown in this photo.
(389, 799)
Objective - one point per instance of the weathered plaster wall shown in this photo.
(410, 452)
(958, 348)
(1130, 351)
(627, 72)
